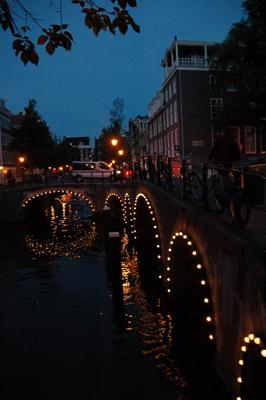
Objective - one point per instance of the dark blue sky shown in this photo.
(75, 90)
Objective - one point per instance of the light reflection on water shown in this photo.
(69, 234)
(154, 327)
(60, 325)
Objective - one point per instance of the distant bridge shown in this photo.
(196, 257)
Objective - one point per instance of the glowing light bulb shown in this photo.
(241, 362)
(208, 319)
(239, 379)
(251, 336)
(194, 253)
(206, 300)
(257, 340)
(211, 337)
(263, 353)
(203, 282)
(168, 258)
(169, 290)
(189, 243)
(199, 266)
(243, 348)
(246, 339)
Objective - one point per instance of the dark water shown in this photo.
(68, 332)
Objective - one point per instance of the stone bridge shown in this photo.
(197, 258)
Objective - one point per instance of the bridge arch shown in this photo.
(30, 197)
(252, 368)
(147, 236)
(186, 282)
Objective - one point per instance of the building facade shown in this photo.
(138, 139)
(7, 156)
(82, 149)
(180, 113)
(183, 112)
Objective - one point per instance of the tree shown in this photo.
(240, 67)
(96, 18)
(239, 64)
(117, 116)
(34, 139)
(114, 131)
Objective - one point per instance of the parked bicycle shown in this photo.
(192, 182)
(227, 188)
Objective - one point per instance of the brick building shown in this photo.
(7, 156)
(138, 138)
(180, 113)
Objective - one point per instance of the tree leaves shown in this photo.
(96, 19)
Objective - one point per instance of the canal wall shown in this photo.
(234, 262)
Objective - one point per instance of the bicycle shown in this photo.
(228, 192)
(192, 183)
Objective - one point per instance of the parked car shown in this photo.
(91, 169)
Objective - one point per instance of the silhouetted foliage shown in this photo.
(34, 139)
(96, 18)
(239, 65)
(117, 116)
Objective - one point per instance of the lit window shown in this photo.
(216, 105)
(250, 139)
(263, 140)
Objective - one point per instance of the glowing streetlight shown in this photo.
(21, 160)
(121, 152)
(114, 142)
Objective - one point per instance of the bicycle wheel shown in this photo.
(219, 193)
(196, 186)
(240, 209)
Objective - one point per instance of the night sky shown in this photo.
(75, 90)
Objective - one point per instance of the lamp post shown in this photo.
(21, 160)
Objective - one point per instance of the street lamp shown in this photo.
(114, 142)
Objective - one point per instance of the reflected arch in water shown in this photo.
(64, 195)
(187, 285)
(252, 368)
(147, 240)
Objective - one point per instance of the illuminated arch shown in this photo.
(37, 195)
(201, 279)
(156, 233)
(128, 214)
(248, 341)
(117, 196)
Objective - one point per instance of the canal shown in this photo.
(70, 329)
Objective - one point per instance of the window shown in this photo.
(175, 111)
(170, 90)
(174, 86)
(235, 130)
(250, 139)
(215, 134)
(171, 115)
(167, 117)
(216, 105)
(166, 94)
(263, 140)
